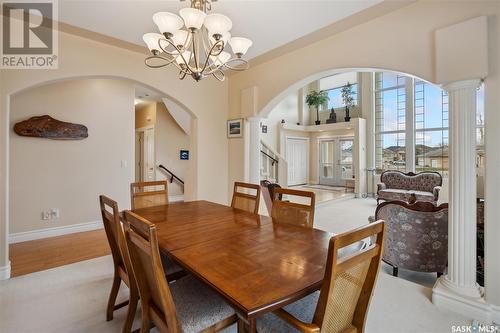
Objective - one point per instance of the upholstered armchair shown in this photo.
(416, 236)
(397, 185)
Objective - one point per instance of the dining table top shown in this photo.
(257, 265)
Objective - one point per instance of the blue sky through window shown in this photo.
(336, 97)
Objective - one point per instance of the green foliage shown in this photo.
(347, 93)
(317, 98)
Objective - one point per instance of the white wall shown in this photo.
(68, 174)
(288, 110)
(169, 140)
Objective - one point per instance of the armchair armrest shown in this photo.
(381, 186)
(301, 326)
(435, 191)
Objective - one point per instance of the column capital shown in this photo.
(464, 84)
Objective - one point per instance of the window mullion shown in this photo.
(410, 125)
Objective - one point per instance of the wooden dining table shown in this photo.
(255, 264)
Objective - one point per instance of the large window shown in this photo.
(334, 84)
(410, 109)
(390, 121)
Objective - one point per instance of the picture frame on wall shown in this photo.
(235, 128)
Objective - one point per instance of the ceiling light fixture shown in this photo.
(200, 49)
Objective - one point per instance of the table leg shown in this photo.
(245, 326)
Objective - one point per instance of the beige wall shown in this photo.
(169, 140)
(67, 174)
(145, 115)
(403, 41)
(80, 57)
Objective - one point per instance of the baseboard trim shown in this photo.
(474, 308)
(176, 198)
(5, 272)
(25, 236)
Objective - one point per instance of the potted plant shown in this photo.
(347, 99)
(317, 98)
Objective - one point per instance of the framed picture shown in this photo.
(184, 154)
(235, 128)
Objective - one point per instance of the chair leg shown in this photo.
(394, 271)
(132, 308)
(112, 297)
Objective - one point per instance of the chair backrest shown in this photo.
(267, 193)
(417, 235)
(284, 211)
(149, 194)
(422, 181)
(156, 299)
(246, 197)
(348, 283)
(112, 227)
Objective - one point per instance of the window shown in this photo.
(390, 121)
(427, 113)
(334, 84)
(431, 128)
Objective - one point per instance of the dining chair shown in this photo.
(121, 262)
(285, 211)
(184, 306)
(147, 194)
(341, 305)
(245, 198)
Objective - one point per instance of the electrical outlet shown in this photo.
(54, 213)
(45, 215)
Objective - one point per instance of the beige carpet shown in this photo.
(73, 298)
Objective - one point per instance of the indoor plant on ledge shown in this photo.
(317, 98)
(347, 99)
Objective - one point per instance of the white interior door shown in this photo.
(149, 155)
(297, 158)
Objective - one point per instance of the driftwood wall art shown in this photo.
(50, 128)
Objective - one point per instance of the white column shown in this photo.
(254, 150)
(458, 289)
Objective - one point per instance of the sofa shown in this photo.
(416, 236)
(397, 185)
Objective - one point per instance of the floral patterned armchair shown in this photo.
(397, 185)
(416, 236)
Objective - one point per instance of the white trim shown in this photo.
(175, 198)
(55, 231)
(470, 307)
(5, 272)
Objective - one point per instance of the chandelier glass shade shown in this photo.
(196, 43)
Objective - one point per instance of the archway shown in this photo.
(191, 183)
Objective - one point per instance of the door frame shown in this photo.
(308, 147)
(143, 165)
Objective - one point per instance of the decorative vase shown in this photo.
(333, 117)
(347, 117)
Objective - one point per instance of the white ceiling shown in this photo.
(269, 23)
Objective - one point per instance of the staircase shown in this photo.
(273, 167)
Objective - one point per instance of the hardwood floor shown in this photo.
(42, 254)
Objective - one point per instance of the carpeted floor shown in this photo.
(73, 298)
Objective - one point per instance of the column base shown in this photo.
(446, 296)
(5, 272)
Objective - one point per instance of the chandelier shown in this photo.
(200, 49)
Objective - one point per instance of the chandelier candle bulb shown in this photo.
(167, 23)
